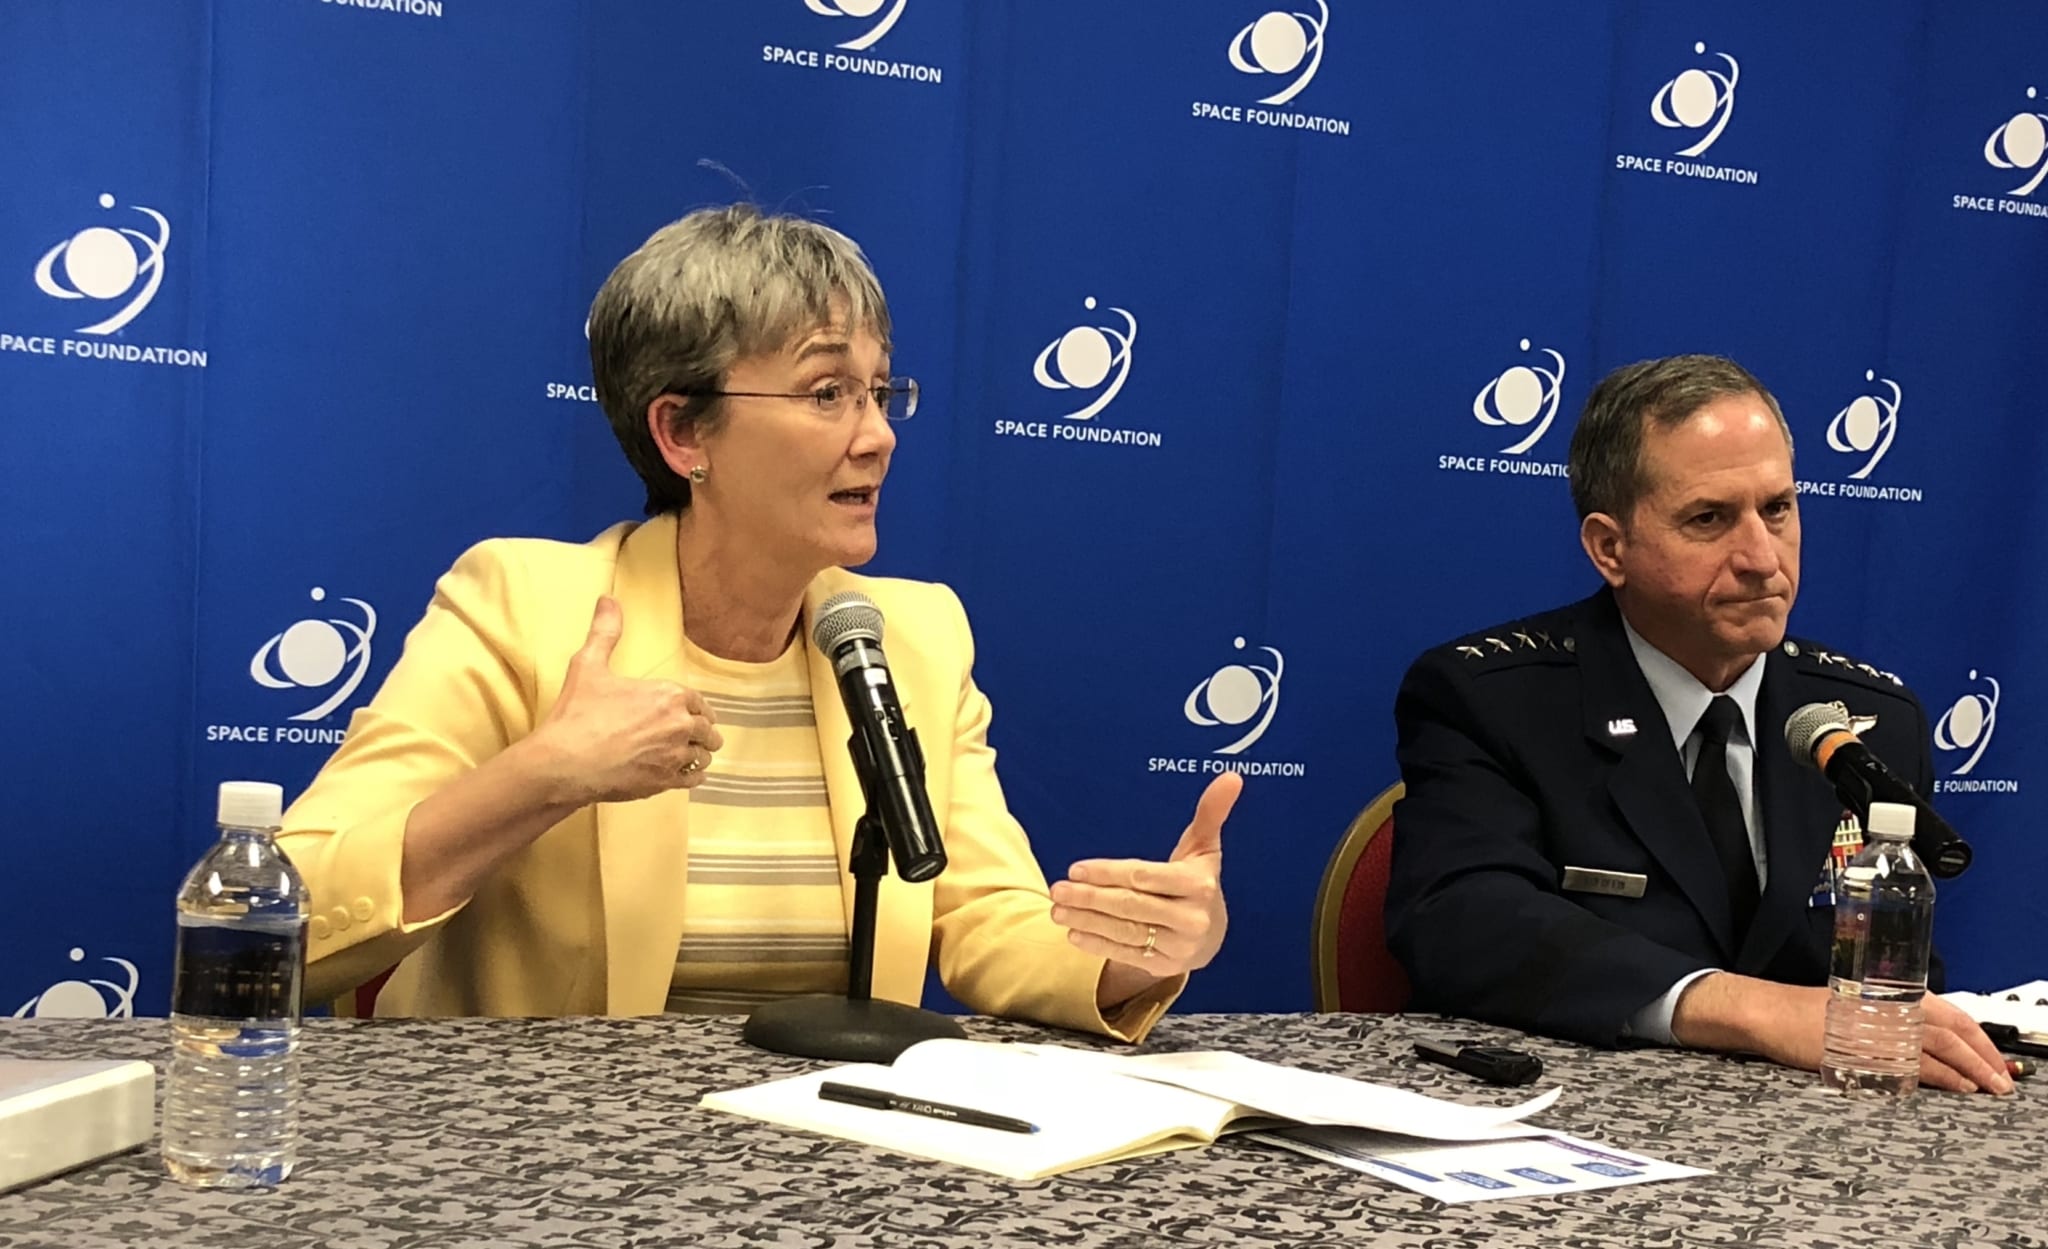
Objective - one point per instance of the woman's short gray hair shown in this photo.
(1606, 458)
(701, 293)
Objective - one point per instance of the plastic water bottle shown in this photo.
(1884, 930)
(231, 1106)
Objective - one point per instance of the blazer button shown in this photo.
(363, 909)
(339, 917)
(317, 928)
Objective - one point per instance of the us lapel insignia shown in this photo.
(1623, 727)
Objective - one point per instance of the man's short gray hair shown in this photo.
(701, 293)
(1606, 460)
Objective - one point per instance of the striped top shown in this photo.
(764, 916)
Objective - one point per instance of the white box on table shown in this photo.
(57, 1114)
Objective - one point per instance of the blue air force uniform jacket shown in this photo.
(1538, 746)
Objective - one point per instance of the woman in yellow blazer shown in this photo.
(509, 821)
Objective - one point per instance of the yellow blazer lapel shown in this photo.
(643, 847)
(903, 929)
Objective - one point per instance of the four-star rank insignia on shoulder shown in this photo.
(1824, 660)
(1516, 641)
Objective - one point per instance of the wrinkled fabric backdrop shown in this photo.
(1251, 343)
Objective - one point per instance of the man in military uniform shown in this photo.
(1603, 837)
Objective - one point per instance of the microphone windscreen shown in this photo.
(844, 617)
(1805, 727)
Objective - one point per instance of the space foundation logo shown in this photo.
(102, 274)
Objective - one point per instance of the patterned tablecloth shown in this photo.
(587, 1132)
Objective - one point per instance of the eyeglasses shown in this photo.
(833, 398)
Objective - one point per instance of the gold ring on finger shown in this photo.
(1151, 940)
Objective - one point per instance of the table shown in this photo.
(586, 1132)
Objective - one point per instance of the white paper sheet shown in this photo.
(1314, 1098)
(1998, 1007)
(1529, 1166)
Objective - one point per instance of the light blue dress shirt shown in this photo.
(1684, 700)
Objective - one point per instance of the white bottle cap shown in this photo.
(1891, 821)
(251, 804)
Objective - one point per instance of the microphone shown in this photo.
(898, 824)
(885, 751)
(1820, 737)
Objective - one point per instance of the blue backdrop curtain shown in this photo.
(1252, 339)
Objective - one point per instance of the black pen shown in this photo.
(876, 1099)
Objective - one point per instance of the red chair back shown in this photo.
(1349, 961)
(362, 1004)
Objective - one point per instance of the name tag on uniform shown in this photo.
(1613, 884)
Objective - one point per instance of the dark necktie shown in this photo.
(1721, 807)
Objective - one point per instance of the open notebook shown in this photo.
(2023, 1008)
(1092, 1107)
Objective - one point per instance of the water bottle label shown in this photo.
(239, 973)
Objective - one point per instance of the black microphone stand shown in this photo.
(854, 1028)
